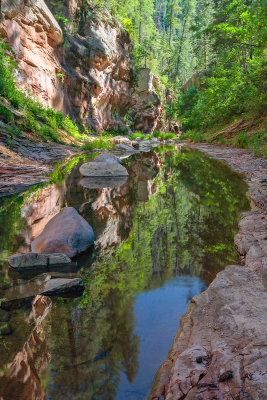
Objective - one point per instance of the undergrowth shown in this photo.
(37, 118)
(156, 134)
(97, 143)
(255, 142)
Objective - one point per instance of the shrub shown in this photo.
(100, 143)
(169, 136)
(33, 109)
(138, 135)
(194, 136)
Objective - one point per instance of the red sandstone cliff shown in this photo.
(86, 74)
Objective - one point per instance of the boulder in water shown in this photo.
(107, 157)
(67, 232)
(103, 169)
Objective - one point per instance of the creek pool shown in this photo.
(161, 238)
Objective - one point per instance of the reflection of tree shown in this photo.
(90, 347)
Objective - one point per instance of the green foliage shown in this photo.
(138, 135)
(256, 142)
(164, 136)
(218, 47)
(39, 119)
(193, 136)
(98, 143)
(231, 81)
(169, 136)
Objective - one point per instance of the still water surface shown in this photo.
(161, 238)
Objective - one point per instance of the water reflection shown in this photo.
(162, 235)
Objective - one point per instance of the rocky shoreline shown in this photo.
(219, 349)
(28, 162)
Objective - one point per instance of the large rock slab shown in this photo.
(23, 261)
(99, 169)
(219, 348)
(66, 233)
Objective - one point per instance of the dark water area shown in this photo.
(161, 238)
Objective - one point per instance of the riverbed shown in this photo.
(161, 238)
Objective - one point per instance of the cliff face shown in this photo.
(147, 107)
(86, 74)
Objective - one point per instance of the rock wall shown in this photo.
(87, 74)
(147, 107)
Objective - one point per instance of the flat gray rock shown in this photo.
(103, 169)
(22, 261)
(145, 143)
(107, 157)
(67, 232)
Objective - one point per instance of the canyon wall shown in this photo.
(85, 72)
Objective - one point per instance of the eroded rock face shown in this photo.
(89, 77)
(147, 107)
(66, 233)
(33, 33)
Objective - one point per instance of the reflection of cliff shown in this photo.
(114, 206)
(42, 206)
(21, 380)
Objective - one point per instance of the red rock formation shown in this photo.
(87, 74)
(193, 81)
(147, 105)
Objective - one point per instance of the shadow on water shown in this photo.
(161, 238)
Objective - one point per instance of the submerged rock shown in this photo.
(103, 169)
(17, 296)
(67, 233)
(22, 261)
(63, 287)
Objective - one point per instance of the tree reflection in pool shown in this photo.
(161, 238)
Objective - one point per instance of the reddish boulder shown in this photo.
(66, 233)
